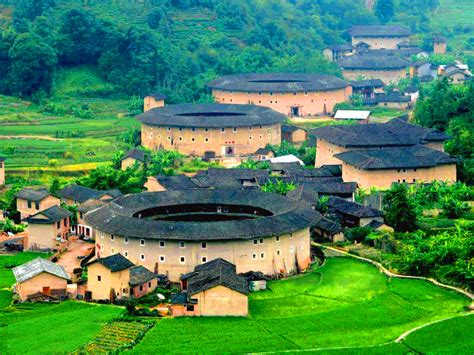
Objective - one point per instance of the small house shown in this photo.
(169, 182)
(76, 194)
(337, 51)
(116, 277)
(439, 45)
(293, 134)
(367, 88)
(353, 214)
(154, 100)
(132, 157)
(48, 229)
(257, 281)
(30, 201)
(263, 154)
(212, 289)
(326, 228)
(83, 229)
(40, 279)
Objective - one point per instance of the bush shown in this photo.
(454, 208)
(357, 234)
(130, 306)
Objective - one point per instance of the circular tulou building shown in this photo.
(290, 94)
(172, 232)
(226, 130)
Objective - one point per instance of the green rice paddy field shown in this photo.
(345, 306)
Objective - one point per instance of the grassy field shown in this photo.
(47, 328)
(33, 138)
(7, 262)
(345, 303)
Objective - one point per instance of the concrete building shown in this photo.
(226, 130)
(212, 289)
(40, 279)
(380, 168)
(174, 231)
(388, 68)
(48, 229)
(153, 100)
(116, 277)
(332, 140)
(294, 95)
(380, 36)
(30, 201)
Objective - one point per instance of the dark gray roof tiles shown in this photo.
(136, 154)
(32, 194)
(341, 47)
(396, 132)
(176, 182)
(417, 156)
(360, 84)
(140, 275)
(352, 208)
(49, 215)
(278, 82)
(211, 116)
(379, 31)
(114, 263)
(82, 193)
(287, 216)
(158, 96)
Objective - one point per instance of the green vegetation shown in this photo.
(428, 340)
(343, 302)
(7, 262)
(64, 327)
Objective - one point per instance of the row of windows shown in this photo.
(250, 102)
(194, 129)
(404, 170)
(161, 243)
(161, 258)
(37, 205)
(306, 93)
(193, 139)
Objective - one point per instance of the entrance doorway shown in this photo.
(295, 111)
(229, 151)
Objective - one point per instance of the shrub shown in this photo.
(357, 234)
(453, 208)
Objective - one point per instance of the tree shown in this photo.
(154, 17)
(55, 186)
(278, 186)
(384, 10)
(33, 64)
(400, 210)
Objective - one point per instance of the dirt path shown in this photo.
(70, 259)
(46, 138)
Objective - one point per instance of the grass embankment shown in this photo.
(345, 303)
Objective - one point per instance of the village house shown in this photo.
(367, 88)
(337, 51)
(263, 154)
(40, 280)
(312, 191)
(388, 68)
(294, 95)
(440, 45)
(254, 230)
(116, 277)
(381, 168)
(2, 171)
(393, 100)
(132, 157)
(457, 73)
(328, 229)
(352, 214)
(212, 289)
(48, 229)
(82, 228)
(333, 140)
(293, 134)
(75, 194)
(358, 116)
(420, 69)
(153, 100)
(225, 130)
(30, 201)
(380, 36)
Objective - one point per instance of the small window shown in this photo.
(255, 241)
(190, 308)
(37, 205)
(250, 138)
(149, 284)
(261, 240)
(125, 240)
(112, 251)
(204, 259)
(125, 253)
(262, 255)
(168, 129)
(292, 249)
(142, 256)
(305, 93)
(206, 129)
(180, 129)
(260, 136)
(142, 242)
(254, 256)
(99, 278)
(182, 259)
(141, 288)
(112, 237)
(414, 169)
(278, 252)
(162, 244)
(180, 139)
(58, 224)
(271, 93)
(29, 204)
(193, 139)
(162, 259)
(124, 290)
(182, 245)
(277, 238)
(204, 245)
(223, 129)
(234, 129)
(102, 235)
(206, 140)
(193, 129)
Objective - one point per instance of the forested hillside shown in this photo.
(176, 46)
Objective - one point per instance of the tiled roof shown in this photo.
(341, 47)
(373, 61)
(176, 182)
(32, 194)
(136, 154)
(359, 84)
(211, 115)
(396, 132)
(217, 272)
(114, 263)
(158, 96)
(379, 31)
(140, 275)
(290, 128)
(82, 193)
(417, 156)
(52, 214)
(37, 266)
(278, 82)
(352, 208)
(329, 226)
